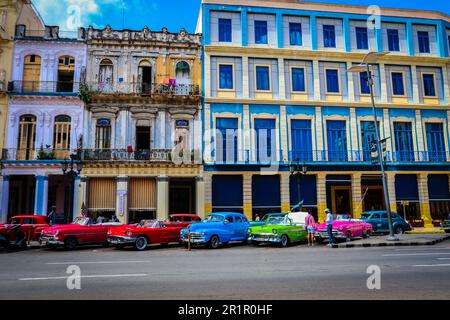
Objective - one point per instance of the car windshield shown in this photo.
(277, 220)
(343, 217)
(14, 221)
(150, 224)
(365, 215)
(82, 221)
(213, 218)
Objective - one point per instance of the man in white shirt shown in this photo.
(329, 221)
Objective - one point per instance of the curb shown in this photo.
(391, 244)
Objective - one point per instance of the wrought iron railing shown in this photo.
(43, 86)
(139, 88)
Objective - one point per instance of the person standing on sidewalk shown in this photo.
(329, 221)
(310, 227)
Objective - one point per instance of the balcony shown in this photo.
(43, 87)
(33, 154)
(148, 156)
(149, 89)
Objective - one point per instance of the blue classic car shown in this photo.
(379, 221)
(217, 228)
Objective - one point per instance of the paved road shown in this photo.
(235, 272)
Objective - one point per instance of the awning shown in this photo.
(266, 192)
(142, 194)
(308, 190)
(438, 187)
(227, 191)
(406, 187)
(102, 194)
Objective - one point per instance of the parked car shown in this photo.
(183, 219)
(30, 225)
(145, 233)
(281, 230)
(445, 225)
(344, 228)
(216, 229)
(379, 221)
(82, 231)
(266, 218)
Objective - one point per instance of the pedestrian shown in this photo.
(114, 219)
(100, 219)
(52, 216)
(310, 227)
(329, 221)
(257, 218)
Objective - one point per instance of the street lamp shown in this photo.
(370, 59)
(71, 169)
(298, 171)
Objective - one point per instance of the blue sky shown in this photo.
(174, 14)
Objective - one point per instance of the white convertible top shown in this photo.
(298, 217)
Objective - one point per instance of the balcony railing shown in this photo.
(156, 155)
(63, 87)
(35, 154)
(145, 88)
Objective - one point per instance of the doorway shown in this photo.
(145, 77)
(341, 198)
(182, 196)
(143, 141)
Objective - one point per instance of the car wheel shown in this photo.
(284, 241)
(399, 230)
(141, 243)
(348, 237)
(70, 243)
(214, 242)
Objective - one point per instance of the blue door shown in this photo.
(301, 140)
(435, 140)
(226, 140)
(369, 138)
(265, 140)
(404, 150)
(337, 140)
(240, 230)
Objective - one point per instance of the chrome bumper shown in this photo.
(50, 240)
(196, 239)
(324, 235)
(273, 238)
(121, 240)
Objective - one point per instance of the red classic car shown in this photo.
(183, 219)
(344, 228)
(30, 225)
(82, 231)
(145, 233)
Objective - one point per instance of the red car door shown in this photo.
(27, 226)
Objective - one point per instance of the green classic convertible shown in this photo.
(280, 230)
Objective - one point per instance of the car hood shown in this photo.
(336, 224)
(204, 226)
(268, 228)
(62, 228)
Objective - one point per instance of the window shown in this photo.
(225, 30)
(398, 86)
(362, 40)
(261, 32)
(27, 137)
(424, 41)
(226, 139)
(226, 77)
(429, 88)
(404, 141)
(435, 142)
(393, 40)
(368, 137)
(364, 82)
(298, 80)
(103, 134)
(337, 140)
(295, 34)
(301, 140)
(329, 36)
(61, 135)
(262, 78)
(265, 139)
(332, 78)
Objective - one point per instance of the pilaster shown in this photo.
(281, 80)
(245, 79)
(81, 195)
(321, 196)
(162, 192)
(419, 133)
(354, 133)
(41, 195)
(285, 192)
(415, 84)
(424, 200)
(357, 195)
(122, 199)
(384, 94)
(4, 197)
(247, 191)
(283, 134)
(200, 196)
(316, 74)
(391, 190)
(207, 180)
(351, 85)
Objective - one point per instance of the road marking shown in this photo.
(430, 265)
(422, 249)
(97, 262)
(92, 276)
(415, 254)
(443, 258)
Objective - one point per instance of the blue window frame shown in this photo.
(429, 88)
(332, 78)
(362, 39)
(436, 142)
(265, 139)
(226, 140)
(368, 137)
(226, 76)
(262, 78)
(329, 36)
(295, 34)
(337, 140)
(364, 83)
(404, 146)
(298, 80)
(424, 41)
(261, 32)
(225, 30)
(398, 86)
(301, 140)
(393, 40)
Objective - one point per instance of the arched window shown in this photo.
(27, 137)
(66, 72)
(103, 134)
(61, 136)
(106, 75)
(31, 73)
(182, 71)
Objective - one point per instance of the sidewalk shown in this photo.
(405, 240)
(435, 230)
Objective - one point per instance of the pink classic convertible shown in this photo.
(344, 228)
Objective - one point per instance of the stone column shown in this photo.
(384, 94)
(207, 77)
(356, 195)
(246, 119)
(424, 200)
(319, 135)
(445, 74)
(122, 199)
(351, 85)
(321, 195)
(245, 79)
(420, 137)
(284, 134)
(4, 197)
(207, 178)
(354, 135)
(285, 192)
(247, 191)
(200, 196)
(81, 195)
(281, 80)
(41, 195)
(415, 84)
(162, 192)
(391, 190)
(317, 93)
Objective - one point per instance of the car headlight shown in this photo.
(57, 232)
(341, 228)
(275, 231)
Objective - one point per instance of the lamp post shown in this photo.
(71, 169)
(370, 59)
(298, 171)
